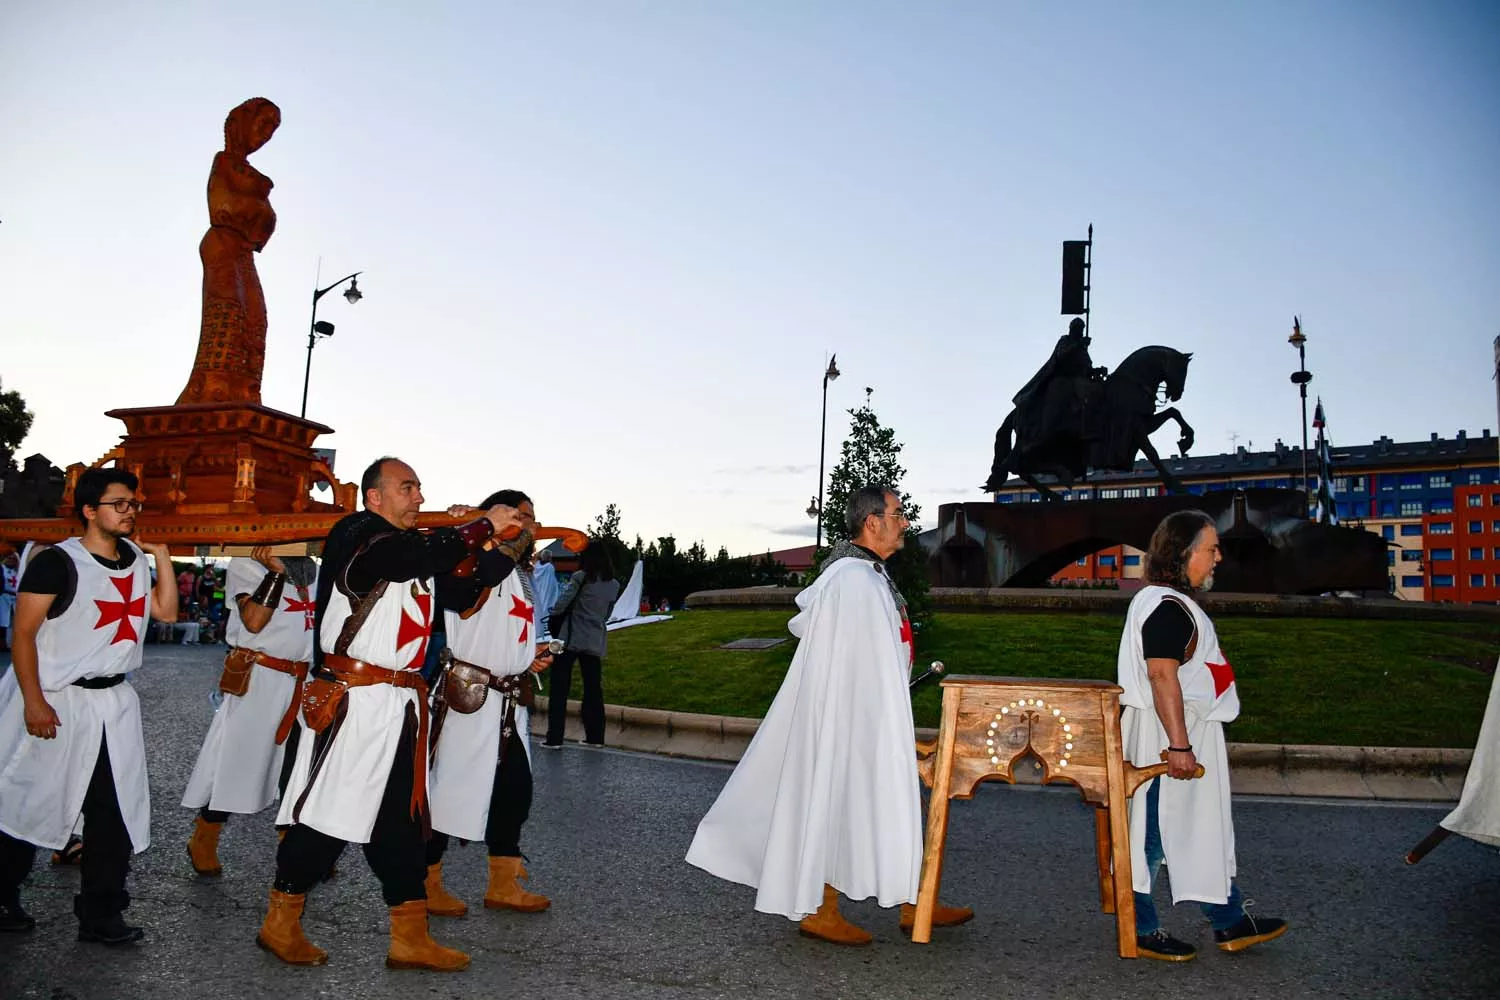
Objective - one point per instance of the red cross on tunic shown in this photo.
(1223, 675)
(303, 604)
(410, 629)
(520, 609)
(906, 637)
(121, 611)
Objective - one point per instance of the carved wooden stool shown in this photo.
(1072, 728)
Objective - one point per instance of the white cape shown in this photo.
(629, 604)
(1478, 812)
(827, 791)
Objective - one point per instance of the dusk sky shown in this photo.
(607, 246)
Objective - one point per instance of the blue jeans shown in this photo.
(1221, 915)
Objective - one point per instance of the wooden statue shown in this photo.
(232, 337)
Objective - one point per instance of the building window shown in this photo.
(1411, 481)
(1358, 482)
(1411, 581)
(1411, 508)
(1495, 499)
(1442, 527)
(1133, 492)
(1441, 507)
(1476, 527)
(1476, 579)
(1132, 560)
(1446, 580)
(1390, 558)
(1084, 561)
(1476, 499)
(1341, 484)
(1388, 532)
(1407, 530)
(1497, 552)
(1476, 553)
(1442, 555)
(1411, 555)
(1111, 494)
(1106, 560)
(1438, 481)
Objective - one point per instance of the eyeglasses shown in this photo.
(121, 506)
(890, 513)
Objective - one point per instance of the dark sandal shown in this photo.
(71, 854)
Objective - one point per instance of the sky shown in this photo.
(608, 247)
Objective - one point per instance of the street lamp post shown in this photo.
(325, 329)
(828, 376)
(1300, 378)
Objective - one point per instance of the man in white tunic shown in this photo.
(826, 798)
(1179, 691)
(270, 635)
(71, 746)
(363, 777)
(481, 769)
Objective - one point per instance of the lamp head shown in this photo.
(352, 293)
(1296, 339)
(812, 508)
(833, 369)
(323, 328)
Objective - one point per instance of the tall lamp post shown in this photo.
(325, 329)
(1300, 378)
(828, 376)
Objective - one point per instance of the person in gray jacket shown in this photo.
(578, 620)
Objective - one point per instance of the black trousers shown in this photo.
(105, 862)
(396, 850)
(593, 697)
(287, 760)
(510, 804)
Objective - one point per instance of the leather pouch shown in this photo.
(320, 702)
(235, 679)
(465, 688)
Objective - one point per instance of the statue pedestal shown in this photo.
(215, 459)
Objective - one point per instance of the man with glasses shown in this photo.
(70, 724)
(826, 798)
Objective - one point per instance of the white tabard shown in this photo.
(344, 798)
(1197, 831)
(240, 763)
(1478, 812)
(501, 638)
(42, 782)
(827, 791)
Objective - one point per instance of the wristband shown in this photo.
(268, 594)
(475, 533)
(1179, 749)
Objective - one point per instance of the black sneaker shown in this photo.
(1249, 931)
(110, 930)
(1164, 948)
(14, 920)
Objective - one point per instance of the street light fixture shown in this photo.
(828, 376)
(325, 329)
(1300, 378)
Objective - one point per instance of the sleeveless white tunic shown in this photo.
(42, 782)
(501, 638)
(240, 762)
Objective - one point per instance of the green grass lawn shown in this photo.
(1331, 681)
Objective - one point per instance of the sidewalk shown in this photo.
(1389, 773)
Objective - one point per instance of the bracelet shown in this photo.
(475, 533)
(268, 594)
(1179, 749)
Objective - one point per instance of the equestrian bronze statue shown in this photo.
(1073, 417)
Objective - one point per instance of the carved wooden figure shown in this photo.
(232, 337)
(1072, 728)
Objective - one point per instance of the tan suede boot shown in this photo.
(413, 948)
(829, 925)
(505, 892)
(942, 916)
(203, 848)
(441, 902)
(281, 933)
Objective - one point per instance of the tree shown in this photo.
(15, 424)
(871, 457)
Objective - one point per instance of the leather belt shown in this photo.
(99, 683)
(357, 673)
(298, 669)
(510, 685)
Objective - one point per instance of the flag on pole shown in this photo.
(1327, 511)
(1318, 414)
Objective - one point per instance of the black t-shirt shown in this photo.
(51, 571)
(1167, 632)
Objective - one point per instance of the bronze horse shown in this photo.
(1104, 428)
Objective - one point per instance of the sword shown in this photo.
(936, 670)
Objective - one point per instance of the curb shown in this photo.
(1428, 774)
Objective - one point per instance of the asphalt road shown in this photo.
(630, 919)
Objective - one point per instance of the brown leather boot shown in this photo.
(413, 948)
(505, 892)
(203, 848)
(942, 916)
(281, 933)
(441, 902)
(829, 925)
